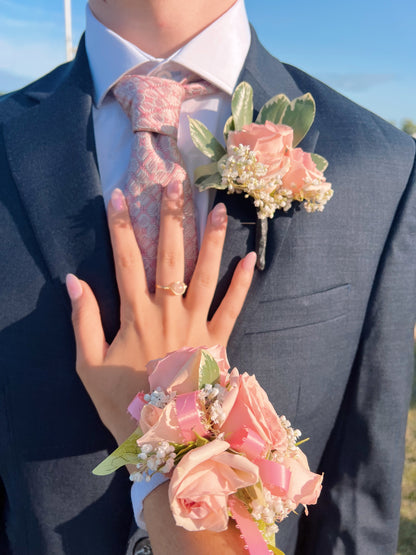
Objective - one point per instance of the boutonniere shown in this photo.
(261, 159)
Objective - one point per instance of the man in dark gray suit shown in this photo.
(327, 328)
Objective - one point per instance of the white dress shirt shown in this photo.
(217, 55)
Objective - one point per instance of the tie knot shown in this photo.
(152, 104)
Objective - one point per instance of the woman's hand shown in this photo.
(152, 324)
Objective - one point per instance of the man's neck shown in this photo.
(158, 27)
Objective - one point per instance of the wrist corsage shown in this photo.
(262, 159)
(228, 454)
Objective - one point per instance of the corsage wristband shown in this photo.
(139, 492)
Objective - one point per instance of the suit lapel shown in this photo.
(52, 157)
(268, 77)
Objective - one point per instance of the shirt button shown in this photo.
(143, 547)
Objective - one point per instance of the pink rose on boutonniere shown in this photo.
(305, 181)
(202, 482)
(269, 142)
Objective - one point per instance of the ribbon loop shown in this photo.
(188, 414)
(253, 539)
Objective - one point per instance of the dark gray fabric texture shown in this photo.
(327, 327)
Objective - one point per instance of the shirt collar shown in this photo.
(215, 54)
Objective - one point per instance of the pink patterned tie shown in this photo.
(153, 105)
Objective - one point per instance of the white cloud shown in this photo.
(357, 81)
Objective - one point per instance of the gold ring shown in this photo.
(176, 287)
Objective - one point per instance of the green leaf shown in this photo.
(213, 181)
(209, 371)
(302, 441)
(205, 141)
(229, 126)
(204, 171)
(320, 162)
(274, 109)
(242, 105)
(200, 441)
(126, 453)
(300, 115)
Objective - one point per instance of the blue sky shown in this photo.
(363, 48)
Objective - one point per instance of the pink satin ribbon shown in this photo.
(188, 415)
(136, 406)
(247, 441)
(274, 476)
(249, 532)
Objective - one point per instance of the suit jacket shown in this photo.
(327, 327)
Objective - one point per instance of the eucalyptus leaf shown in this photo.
(204, 171)
(209, 371)
(274, 109)
(229, 126)
(205, 141)
(213, 181)
(126, 453)
(242, 105)
(320, 162)
(300, 115)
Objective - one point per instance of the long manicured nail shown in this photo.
(219, 215)
(174, 190)
(249, 261)
(73, 286)
(117, 200)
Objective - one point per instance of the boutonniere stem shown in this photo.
(261, 241)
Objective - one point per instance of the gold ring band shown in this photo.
(176, 287)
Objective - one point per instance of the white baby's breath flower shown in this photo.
(136, 477)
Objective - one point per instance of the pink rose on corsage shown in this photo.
(165, 425)
(201, 483)
(305, 486)
(252, 410)
(178, 371)
(262, 160)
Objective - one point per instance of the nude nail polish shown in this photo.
(174, 190)
(249, 261)
(117, 200)
(218, 215)
(73, 286)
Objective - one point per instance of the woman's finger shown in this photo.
(204, 280)
(131, 278)
(224, 319)
(170, 253)
(86, 320)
